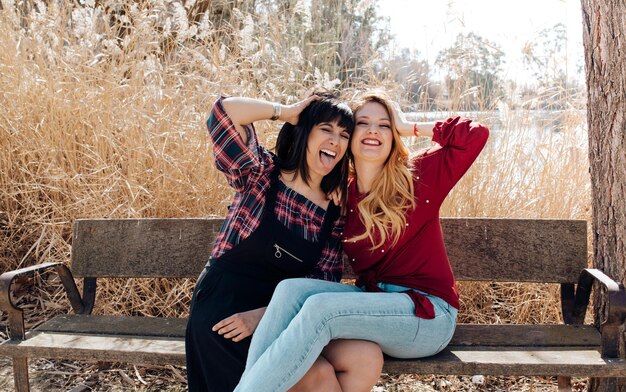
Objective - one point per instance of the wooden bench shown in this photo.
(497, 250)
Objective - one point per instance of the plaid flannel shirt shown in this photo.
(247, 169)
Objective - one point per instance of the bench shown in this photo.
(496, 250)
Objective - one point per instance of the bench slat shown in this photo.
(465, 335)
(522, 361)
(110, 348)
(551, 335)
(479, 249)
(516, 250)
(116, 325)
(142, 248)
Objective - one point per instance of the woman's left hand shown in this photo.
(291, 113)
(240, 325)
(403, 127)
(408, 128)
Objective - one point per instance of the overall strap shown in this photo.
(332, 213)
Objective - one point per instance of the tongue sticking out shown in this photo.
(327, 160)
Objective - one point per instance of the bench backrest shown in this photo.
(501, 250)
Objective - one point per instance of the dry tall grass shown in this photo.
(95, 123)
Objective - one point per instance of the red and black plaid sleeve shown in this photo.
(240, 162)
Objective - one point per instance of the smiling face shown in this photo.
(326, 145)
(372, 140)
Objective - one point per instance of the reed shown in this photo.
(103, 116)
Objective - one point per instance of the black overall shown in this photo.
(242, 279)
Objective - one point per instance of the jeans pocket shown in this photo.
(205, 286)
(417, 330)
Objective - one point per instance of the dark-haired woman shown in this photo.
(280, 224)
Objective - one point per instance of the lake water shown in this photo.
(530, 127)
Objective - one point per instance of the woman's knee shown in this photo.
(287, 285)
(296, 290)
(320, 377)
(373, 360)
(316, 309)
(358, 363)
(349, 355)
(293, 288)
(323, 308)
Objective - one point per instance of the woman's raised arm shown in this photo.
(410, 128)
(244, 111)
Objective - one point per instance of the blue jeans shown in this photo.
(306, 314)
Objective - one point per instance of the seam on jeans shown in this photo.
(321, 326)
(451, 334)
(419, 325)
(447, 341)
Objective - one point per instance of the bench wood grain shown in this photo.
(498, 250)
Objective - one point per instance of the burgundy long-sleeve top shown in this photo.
(419, 260)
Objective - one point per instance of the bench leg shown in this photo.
(20, 374)
(565, 383)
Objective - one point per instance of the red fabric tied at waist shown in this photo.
(423, 307)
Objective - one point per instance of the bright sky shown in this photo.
(432, 25)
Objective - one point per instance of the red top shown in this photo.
(419, 259)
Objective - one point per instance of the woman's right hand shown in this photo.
(291, 113)
(240, 325)
(408, 128)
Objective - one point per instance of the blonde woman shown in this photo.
(405, 298)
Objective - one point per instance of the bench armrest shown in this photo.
(615, 315)
(17, 330)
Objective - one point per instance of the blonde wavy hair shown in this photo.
(384, 209)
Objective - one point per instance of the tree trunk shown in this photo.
(604, 37)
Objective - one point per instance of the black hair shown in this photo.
(292, 141)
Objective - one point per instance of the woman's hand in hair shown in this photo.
(410, 128)
(291, 113)
(240, 325)
(403, 127)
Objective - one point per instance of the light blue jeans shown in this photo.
(306, 314)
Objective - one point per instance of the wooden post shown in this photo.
(565, 383)
(20, 374)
